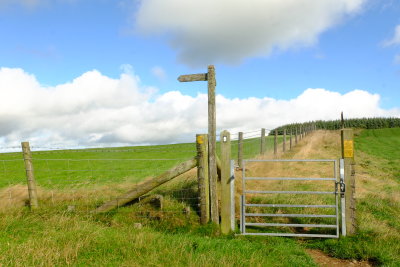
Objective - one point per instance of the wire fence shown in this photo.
(79, 180)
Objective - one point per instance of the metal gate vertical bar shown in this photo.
(335, 171)
(243, 209)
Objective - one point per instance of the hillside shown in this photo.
(52, 236)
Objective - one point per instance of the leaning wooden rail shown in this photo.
(147, 186)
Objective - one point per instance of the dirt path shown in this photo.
(324, 260)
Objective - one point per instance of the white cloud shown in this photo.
(159, 73)
(95, 110)
(395, 40)
(228, 31)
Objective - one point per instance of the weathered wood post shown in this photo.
(262, 142)
(290, 140)
(30, 177)
(240, 150)
(226, 192)
(276, 142)
(347, 137)
(301, 132)
(284, 140)
(212, 162)
(296, 137)
(202, 175)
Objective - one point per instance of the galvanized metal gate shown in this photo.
(249, 194)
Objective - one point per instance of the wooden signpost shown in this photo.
(210, 77)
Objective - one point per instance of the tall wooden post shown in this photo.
(226, 192)
(290, 140)
(284, 140)
(276, 142)
(262, 143)
(212, 162)
(202, 175)
(212, 143)
(296, 137)
(347, 137)
(30, 177)
(240, 150)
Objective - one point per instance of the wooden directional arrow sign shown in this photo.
(193, 77)
(210, 78)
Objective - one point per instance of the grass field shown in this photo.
(62, 238)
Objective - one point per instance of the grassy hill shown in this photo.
(54, 236)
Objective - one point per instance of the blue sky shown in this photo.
(58, 41)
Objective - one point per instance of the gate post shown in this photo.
(347, 137)
(203, 178)
(226, 192)
(276, 142)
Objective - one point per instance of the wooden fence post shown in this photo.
(347, 137)
(296, 137)
(203, 178)
(276, 142)
(212, 144)
(226, 193)
(290, 140)
(240, 150)
(30, 177)
(262, 143)
(284, 140)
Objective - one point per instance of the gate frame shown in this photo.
(243, 204)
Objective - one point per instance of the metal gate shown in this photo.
(248, 196)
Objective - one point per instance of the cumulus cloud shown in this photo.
(95, 110)
(228, 31)
(395, 40)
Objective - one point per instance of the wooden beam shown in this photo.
(147, 186)
(193, 77)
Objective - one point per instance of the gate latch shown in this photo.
(342, 187)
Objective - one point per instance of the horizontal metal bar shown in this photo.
(288, 206)
(289, 178)
(289, 192)
(298, 235)
(288, 215)
(290, 160)
(292, 225)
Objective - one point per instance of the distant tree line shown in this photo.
(361, 123)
